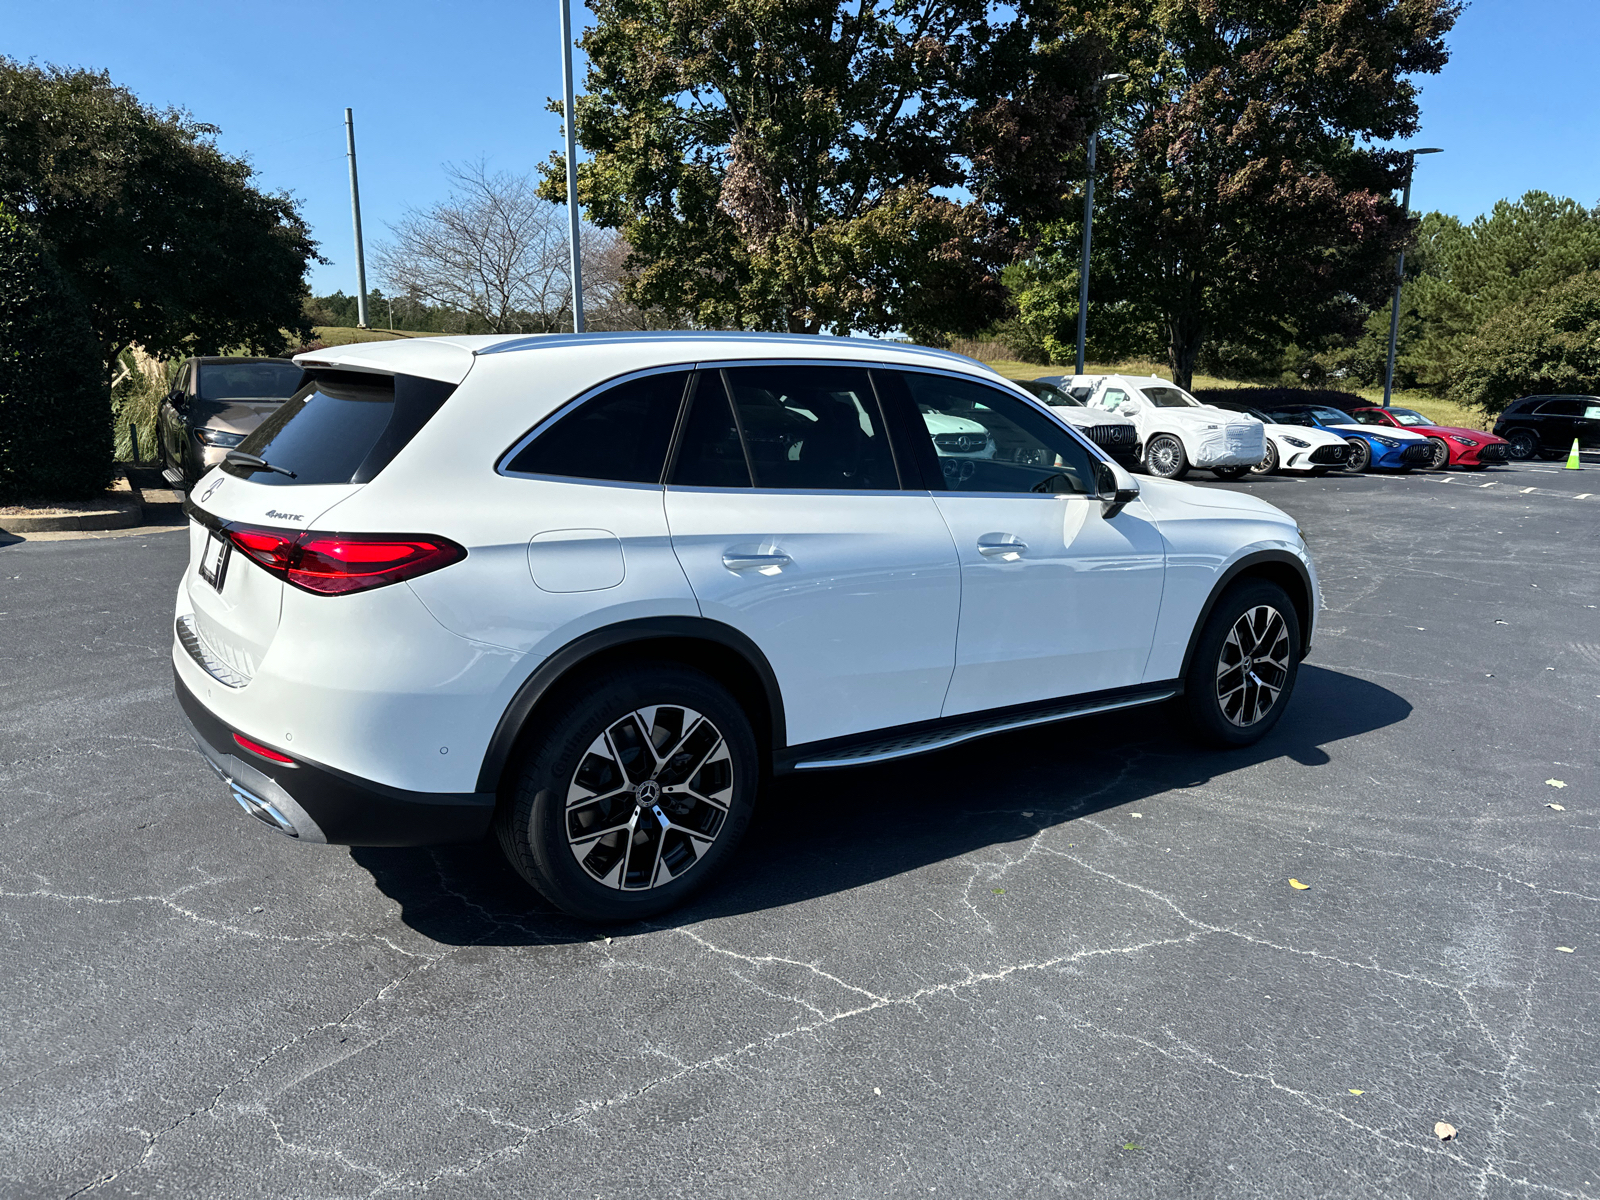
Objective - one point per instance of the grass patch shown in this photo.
(341, 335)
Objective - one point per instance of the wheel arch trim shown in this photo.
(1246, 564)
(560, 665)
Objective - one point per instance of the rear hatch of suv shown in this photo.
(249, 517)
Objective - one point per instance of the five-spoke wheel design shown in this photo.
(649, 798)
(634, 792)
(1254, 665)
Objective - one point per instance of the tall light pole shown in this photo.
(1088, 225)
(1400, 273)
(355, 212)
(572, 166)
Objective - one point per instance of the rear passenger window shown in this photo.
(1561, 408)
(620, 435)
(709, 452)
(812, 428)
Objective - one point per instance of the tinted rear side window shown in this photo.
(621, 434)
(812, 427)
(710, 453)
(342, 427)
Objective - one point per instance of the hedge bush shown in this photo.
(1277, 397)
(55, 406)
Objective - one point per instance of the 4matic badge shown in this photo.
(275, 514)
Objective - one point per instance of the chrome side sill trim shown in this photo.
(189, 639)
(939, 739)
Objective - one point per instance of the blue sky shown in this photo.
(1518, 107)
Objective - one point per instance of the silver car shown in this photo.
(214, 404)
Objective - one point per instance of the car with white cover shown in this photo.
(587, 592)
(1177, 432)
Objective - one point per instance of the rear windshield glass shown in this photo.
(342, 427)
(249, 380)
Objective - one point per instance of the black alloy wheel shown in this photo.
(1269, 464)
(1522, 444)
(1441, 454)
(1360, 455)
(1244, 665)
(634, 795)
(1164, 457)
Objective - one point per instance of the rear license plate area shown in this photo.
(214, 560)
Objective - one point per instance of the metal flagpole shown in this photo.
(1400, 276)
(572, 166)
(355, 212)
(1088, 226)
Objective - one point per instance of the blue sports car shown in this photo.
(1370, 446)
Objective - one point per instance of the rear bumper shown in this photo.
(318, 804)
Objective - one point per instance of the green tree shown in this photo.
(55, 440)
(809, 165)
(1469, 271)
(1551, 343)
(161, 235)
(1238, 203)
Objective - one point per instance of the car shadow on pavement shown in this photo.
(837, 830)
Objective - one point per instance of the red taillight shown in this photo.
(331, 564)
(268, 547)
(263, 751)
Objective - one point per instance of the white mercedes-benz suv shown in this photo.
(588, 591)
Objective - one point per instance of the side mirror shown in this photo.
(1116, 489)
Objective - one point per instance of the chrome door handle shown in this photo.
(994, 544)
(743, 562)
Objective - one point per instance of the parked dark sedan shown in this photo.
(1544, 426)
(213, 405)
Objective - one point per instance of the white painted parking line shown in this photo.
(1525, 491)
(1486, 485)
(1583, 495)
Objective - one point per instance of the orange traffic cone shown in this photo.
(1572, 459)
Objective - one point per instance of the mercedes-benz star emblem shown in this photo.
(648, 793)
(206, 495)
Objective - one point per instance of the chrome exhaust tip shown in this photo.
(261, 810)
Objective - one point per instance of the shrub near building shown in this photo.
(55, 433)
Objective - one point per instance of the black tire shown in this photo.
(1360, 455)
(1232, 472)
(597, 743)
(1522, 444)
(1164, 457)
(1269, 464)
(1441, 454)
(1234, 694)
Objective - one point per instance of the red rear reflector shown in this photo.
(331, 564)
(264, 752)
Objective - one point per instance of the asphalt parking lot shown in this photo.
(1067, 961)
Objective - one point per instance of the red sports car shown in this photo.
(1471, 449)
